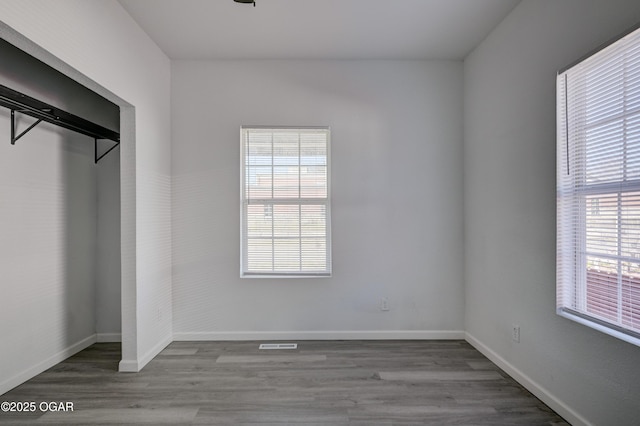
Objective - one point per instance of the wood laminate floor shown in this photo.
(372, 383)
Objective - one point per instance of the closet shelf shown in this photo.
(19, 102)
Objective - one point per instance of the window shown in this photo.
(598, 190)
(285, 227)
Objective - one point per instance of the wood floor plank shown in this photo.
(481, 365)
(269, 358)
(464, 376)
(337, 383)
(179, 351)
(167, 416)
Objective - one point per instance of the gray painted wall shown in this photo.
(509, 177)
(108, 253)
(396, 208)
(47, 247)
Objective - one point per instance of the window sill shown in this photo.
(279, 276)
(600, 327)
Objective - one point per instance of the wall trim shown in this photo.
(154, 351)
(134, 366)
(45, 364)
(320, 335)
(531, 385)
(126, 366)
(108, 337)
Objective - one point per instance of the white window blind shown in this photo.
(598, 190)
(285, 202)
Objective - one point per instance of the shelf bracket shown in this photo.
(14, 138)
(26, 105)
(95, 148)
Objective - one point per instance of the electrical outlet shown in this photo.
(384, 304)
(515, 333)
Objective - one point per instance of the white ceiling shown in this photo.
(318, 29)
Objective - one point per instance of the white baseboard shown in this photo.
(151, 353)
(134, 366)
(320, 335)
(532, 386)
(109, 337)
(44, 365)
(128, 366)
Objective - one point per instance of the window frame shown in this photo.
(326, 201)
(572, 299)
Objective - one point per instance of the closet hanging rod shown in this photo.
(19, 102)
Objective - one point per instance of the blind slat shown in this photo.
(598, 187)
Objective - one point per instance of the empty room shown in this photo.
(320, 212)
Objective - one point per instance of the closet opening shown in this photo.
(64, 159)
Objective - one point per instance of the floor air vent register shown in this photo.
(279, 346)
